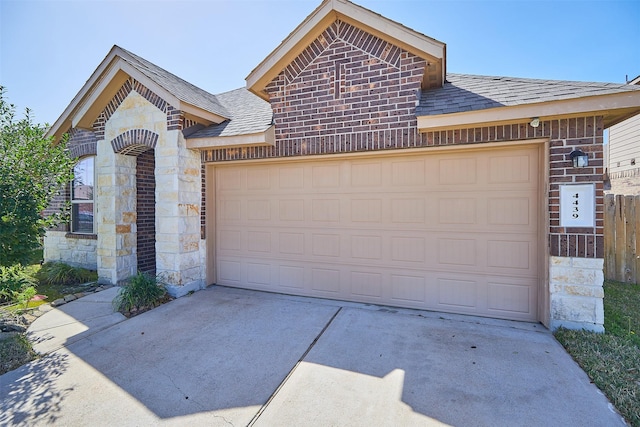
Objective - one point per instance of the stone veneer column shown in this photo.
(178, 198)
(116, 192)
(116, 206)
(576, 293)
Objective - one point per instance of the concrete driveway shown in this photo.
(234, 357)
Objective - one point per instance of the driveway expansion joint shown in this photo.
(313, 343)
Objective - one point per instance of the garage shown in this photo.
(451, 230)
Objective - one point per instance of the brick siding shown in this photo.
(175, 117)
(146, 212)
(349, 91)
(313, 117)
(134, 141)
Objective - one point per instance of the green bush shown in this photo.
(15, 285)
(141, 291)
(58, 273)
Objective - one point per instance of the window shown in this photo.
(82, 206)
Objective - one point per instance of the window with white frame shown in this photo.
(82, 206)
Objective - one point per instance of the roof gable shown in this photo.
(118, 66)
(310, 32)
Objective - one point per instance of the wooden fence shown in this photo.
(622, 238)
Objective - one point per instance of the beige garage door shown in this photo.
(452, 231)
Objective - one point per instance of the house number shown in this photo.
(577, 205)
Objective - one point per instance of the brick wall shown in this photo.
(346, 82)
(350, 91)
(145, 209)
(146, 212)
(175, 118)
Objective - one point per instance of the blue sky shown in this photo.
(48, 49)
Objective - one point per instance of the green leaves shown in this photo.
(33, 169)
(141, 292)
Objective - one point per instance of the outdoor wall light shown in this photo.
(579, 159)
(535, 122)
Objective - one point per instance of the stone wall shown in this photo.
(79, 251)
(576, 293)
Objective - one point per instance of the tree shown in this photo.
(33, 169)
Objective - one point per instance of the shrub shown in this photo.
(141, 291)
(58, 273)
(15, 285)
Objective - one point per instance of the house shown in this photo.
(352, 166)
(623, 156)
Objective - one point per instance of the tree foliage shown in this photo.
(33, 169)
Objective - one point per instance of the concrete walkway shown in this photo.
(232, 357)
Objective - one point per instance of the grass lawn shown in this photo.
(612, 359)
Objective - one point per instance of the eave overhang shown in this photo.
(613, 107)
(266, 138)
(328, 12)
(104, 83)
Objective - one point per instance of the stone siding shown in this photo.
(575, 286)
(79, 250)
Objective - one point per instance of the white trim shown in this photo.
(266, 138)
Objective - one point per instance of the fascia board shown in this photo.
(266, 138)
(546, 110)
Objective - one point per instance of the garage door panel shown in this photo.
(291, 177)
(510, 298)
(443, 231)
(259, 274)
(515, 168)
(259, 178)
(456, 252)
(291, 276)
(408, 173)
(406, 288)
(457, 293)
(406, 249)
(459, 210)
(259, 241)
(291, 243)
(366, 175)
(325, 210)
(511, 254)
(458, 171)
(326, 280)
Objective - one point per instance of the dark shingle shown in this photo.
(248, 114)
(179, 88)
(464, 92)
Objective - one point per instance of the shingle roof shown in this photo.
(464, 92)
(179, 88)
(249, 114)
